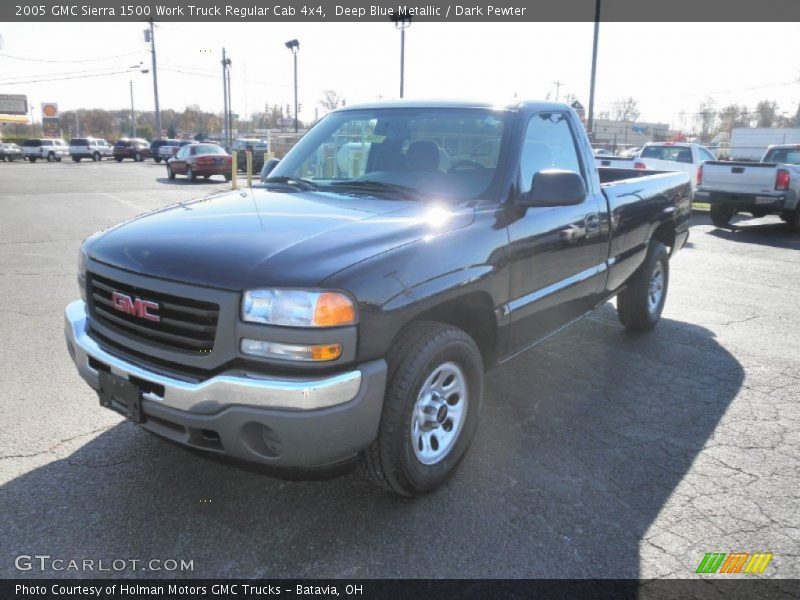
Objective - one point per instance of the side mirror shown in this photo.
(554, 187)
(269, 165)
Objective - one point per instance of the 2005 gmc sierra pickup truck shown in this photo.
(347, 313)
(771, 186)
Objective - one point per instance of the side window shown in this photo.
(549, 144)
(706, 155)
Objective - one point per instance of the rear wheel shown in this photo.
(51, 157)
(792, 218)
(170, 172)
(228, 177)
(5, 158)
(430, 413)
(157, 159)
(640, 305)
(138, 157)
(118, 158)
(76, 159)
(32, 159)
(721, 215)
(96, 157)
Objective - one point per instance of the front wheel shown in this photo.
(191, 174)
(76, 159)
(138, 157)
(433, 397)
(51, 157)
(32, 159)
(96, 157)
(118, 159)
(640, 305)
(170, 172)
(157, 159)
(721, 215)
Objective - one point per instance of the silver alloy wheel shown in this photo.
(656, 290)
(189, 173)
(439, 413)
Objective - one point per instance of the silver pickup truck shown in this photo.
(771, 186)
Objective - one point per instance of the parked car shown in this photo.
(47, 149)
(602, 152)
(200, 160)
(10, 152)
(89, 147)
(673, 156)
(166, 152)
(630, 152)
(258, 148)
(317, 320)
(135, 148)
(771, 186)
(156, 145)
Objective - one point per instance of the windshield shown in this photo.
(208, 149)
(438, 152)
(674, 153)
(787, 156)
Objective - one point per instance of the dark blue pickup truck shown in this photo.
(345, 310)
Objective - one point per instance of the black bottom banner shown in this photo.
(390, 589)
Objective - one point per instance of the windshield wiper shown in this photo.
(379, 187)
(301, 184)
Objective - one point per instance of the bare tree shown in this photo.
(733, 116)
(705, 118)
(766, 113)
(331, 100)
(625, 109)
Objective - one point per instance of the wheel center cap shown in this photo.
(441, 414)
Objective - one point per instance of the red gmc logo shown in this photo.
(136, 307)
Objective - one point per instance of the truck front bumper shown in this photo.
(296, 422)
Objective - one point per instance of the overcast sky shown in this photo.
(668, 67)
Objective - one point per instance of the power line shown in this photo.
(86, 75)
(82, 60)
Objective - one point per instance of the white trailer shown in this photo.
(750, 143)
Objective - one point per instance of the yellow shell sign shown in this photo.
(49, 109)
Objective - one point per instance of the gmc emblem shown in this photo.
(136, 307)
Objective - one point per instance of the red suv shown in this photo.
(136, 148)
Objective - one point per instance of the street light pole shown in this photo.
(230, 106)
(133, 113)
(150, 36)
(294, 46)
(590, 121)
(402, 22)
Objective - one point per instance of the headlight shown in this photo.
(298, 308)
(82, 272)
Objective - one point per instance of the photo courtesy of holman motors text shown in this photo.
(398, 300)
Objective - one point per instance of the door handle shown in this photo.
(592, 223)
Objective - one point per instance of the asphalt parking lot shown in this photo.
(599, 454)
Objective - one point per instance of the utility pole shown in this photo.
(558, 85)
(590, 120)
(133, 114)
(150, 36)
(225, 96)
(230, 106)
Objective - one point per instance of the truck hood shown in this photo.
(257, 238)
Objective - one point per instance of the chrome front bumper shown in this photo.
(240, 387)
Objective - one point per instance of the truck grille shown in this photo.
(184, 324)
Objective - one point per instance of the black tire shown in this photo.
(118, 158)
(423, 348)
(5, 158)
(32, 159)
(51, 157)
(138, 157)
(206, 177)
(76, 159)
(228, 178)
(170, 172)
(191, 175)
(792, 218)
(638, 307)
(58, 159)
(96, 157)
(721, 215)
(157, 159)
